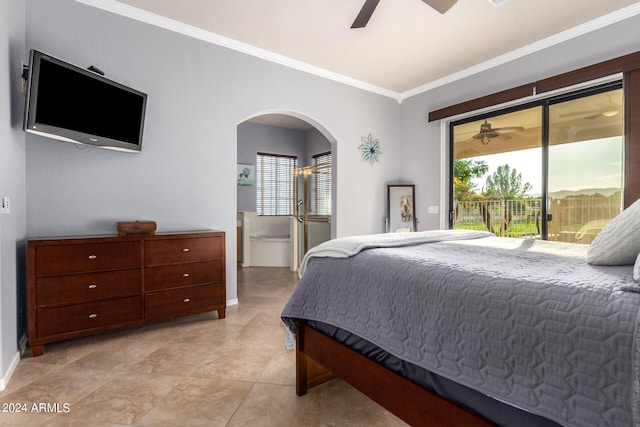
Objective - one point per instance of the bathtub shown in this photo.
(265, 240)
(270, 250)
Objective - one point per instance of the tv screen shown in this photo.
(72, 104)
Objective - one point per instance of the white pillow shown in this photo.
(636, 270)
(619, 241)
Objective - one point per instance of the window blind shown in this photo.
(274, 184)
(322, 193)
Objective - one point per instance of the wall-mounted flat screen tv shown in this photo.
(72, 104)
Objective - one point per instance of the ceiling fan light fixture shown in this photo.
(486, 135)
(611, 113)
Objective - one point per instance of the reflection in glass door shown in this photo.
(497, 174)
(312, 210)
(586, 149)
(550, 170)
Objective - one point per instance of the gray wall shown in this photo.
(422, 140)
(315, 143)
(12, 184)
(199, 93)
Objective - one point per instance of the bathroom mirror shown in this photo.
(401, 208)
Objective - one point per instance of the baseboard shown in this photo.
(4, 381)
(232, 302)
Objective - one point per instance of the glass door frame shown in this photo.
(301, 215)
(544, 103)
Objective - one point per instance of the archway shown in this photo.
(295, 141)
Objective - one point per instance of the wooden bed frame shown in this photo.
(320, 358)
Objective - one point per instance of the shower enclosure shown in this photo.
(311, 223)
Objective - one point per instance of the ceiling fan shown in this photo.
(608, 109)
(487, 133)
(370, 5)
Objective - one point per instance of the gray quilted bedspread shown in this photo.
(527, 322)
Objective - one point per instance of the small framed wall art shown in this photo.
(246, 174)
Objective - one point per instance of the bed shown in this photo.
(464, 328)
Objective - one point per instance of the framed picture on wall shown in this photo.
(246, 174)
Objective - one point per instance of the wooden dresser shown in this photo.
(80, 286)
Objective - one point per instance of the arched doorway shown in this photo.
(275, 209)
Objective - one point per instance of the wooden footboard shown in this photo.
(319, 357)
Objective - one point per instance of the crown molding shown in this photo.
(207, 36)
(118, 8)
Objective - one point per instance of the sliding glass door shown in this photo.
(497, 173)
(586, 149)
(547, 170)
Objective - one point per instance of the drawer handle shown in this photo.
(185, 249)
(186, 300)
(185, 274)
(93, 256)
(93, 316)
(92, 286)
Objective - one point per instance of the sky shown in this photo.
(572, 166)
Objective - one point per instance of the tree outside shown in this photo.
(463, 172)
(504, 193)
(506, 183)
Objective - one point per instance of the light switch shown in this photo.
(4, 206)
(432, 210)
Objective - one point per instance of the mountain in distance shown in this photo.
(607, 192)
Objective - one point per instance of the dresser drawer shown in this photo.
(180, 301)
(172, 276)
(79, 288)
(79, 258)
(78, 317)
(83, 285)
(175, 251)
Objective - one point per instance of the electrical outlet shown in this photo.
(5, 208)
(432, 210)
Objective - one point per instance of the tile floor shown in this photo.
(195, 371)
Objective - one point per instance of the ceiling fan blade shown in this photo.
(579, 113)
(365, 14)
(593, 116)
(514, 128)
(441, 5)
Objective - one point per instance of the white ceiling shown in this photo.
(406, 48)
